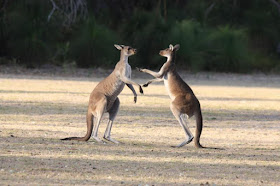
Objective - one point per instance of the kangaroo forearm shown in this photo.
(155, 74)
(134, 93)
(132, 89)
(128, 81)
(152, 81)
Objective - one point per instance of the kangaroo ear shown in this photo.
(171, 47)
(176, 47)
(119, 47)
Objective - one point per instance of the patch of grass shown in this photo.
(240, 131)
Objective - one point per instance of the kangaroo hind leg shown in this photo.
(98, 113)
(199, 125)
(112, 114)
(179, 116)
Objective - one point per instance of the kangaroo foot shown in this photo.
(97, 139)
(111, 140)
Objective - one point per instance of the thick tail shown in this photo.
(199, 125)
(89, 130)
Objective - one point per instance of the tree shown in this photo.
(276, 3)
(71, 10)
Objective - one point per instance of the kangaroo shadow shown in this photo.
(213, 148)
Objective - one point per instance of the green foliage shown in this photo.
(193, 40)
(263, 22)
(62, 52)
(93, 45)
(26, 33)
(221, 49)
(230, 36)
(263, 63)
(197, 9)
(228, 50)
(146, 31)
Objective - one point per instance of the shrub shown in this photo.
(146, 31)
(28, 35)
(192, 38)
(221, 49)
(228, 50)
(92, 45)
(264, 63)
(200, 27)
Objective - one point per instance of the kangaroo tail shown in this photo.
(199, 125)
(89, 130)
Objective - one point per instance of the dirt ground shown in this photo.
(241, 132)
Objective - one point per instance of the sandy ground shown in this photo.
(241, 132)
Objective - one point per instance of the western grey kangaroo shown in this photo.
(183, 99)
(104, 97)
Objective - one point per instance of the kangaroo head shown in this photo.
(168, 52)
(126, 50)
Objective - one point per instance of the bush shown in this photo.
(192, 38)
(28, 37)
(202, 49)
(228, 50)
(148, 32)
(263, 63)
(93, 45)
(263, 21)
(211, 39)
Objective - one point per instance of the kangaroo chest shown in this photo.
(116, 85)
(168, 86)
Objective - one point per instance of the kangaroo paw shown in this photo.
(141, 90)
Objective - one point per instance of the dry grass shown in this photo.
(241, 129)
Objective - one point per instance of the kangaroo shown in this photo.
(183, 99)
(104, 97)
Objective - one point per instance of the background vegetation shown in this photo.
(228, 36)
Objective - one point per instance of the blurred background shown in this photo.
(215, 35)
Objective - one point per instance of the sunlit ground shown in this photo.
(241, 130)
